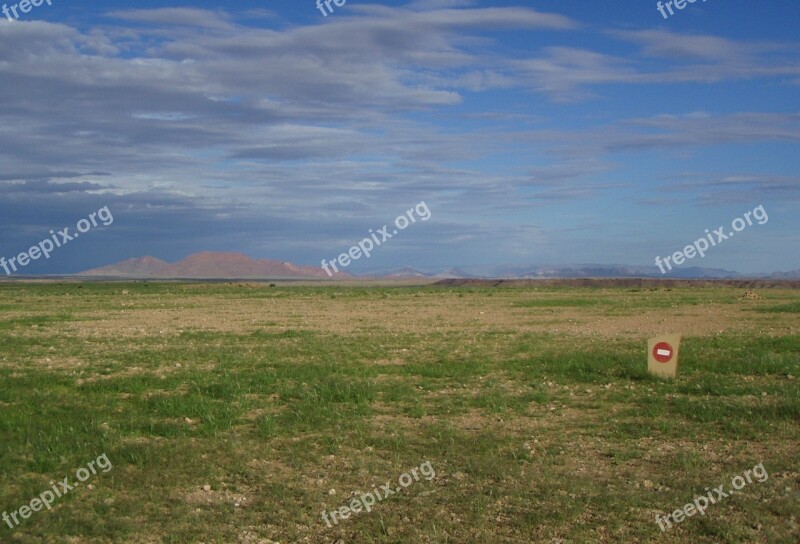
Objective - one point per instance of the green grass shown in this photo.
(535, 435)
(791, 308)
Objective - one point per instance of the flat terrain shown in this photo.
(238, 413)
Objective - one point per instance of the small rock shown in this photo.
(331, 492)
(206, 488)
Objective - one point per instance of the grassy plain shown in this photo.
(237, 413)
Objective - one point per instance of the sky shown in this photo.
(536, 132)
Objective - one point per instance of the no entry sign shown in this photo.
(662, 355)
(663, 352)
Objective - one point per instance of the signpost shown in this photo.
(662, 355)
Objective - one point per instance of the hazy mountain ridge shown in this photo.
(221, 265)
(578, 271)
(209, 265)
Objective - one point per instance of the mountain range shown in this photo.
(210, 265)
(215, 265)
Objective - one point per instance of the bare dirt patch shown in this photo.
(431, 313)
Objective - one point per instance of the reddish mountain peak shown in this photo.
(146, 260)
(216, 258)
(210, 264)
(136, 267)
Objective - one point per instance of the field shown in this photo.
(238, 413)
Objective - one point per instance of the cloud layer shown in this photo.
(284, 138)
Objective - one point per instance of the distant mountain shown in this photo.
(791, 275)
(408, 272)
(405, 272)
(559, 272)
(144, 267)
(210, 265)
(458, 273)
(702, 273)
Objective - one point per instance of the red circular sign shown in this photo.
(663, 352)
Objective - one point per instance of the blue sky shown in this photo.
(537, 132)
